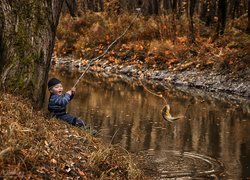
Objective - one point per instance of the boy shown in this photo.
(58, 102)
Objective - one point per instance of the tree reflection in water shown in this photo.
(215, 127)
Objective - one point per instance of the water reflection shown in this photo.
(130, 116)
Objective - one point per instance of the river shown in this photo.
(210, 140)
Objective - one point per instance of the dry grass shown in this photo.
(33, 146)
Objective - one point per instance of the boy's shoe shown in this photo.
(93, 132)
(80, 123)
(90, 130)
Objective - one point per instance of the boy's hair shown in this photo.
(52, 82)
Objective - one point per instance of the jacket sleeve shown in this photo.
(62, 100)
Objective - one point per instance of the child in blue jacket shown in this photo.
(58, 102)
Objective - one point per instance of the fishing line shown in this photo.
(159, 95)
(166, 109)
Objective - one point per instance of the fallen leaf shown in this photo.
(81, 172)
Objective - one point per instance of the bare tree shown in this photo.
(191, 8)
(207, 11)
(222, 14)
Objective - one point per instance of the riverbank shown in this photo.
(210, 80)
(38, 147)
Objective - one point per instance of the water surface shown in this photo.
(126, 114)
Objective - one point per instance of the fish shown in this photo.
(166, 114)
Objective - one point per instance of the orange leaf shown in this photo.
(230, 61)
(133, 57)
(81, 172)
(209, 62)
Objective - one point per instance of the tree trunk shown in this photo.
(203, 10)
(101, 5)
(156, 7)
(222, 14)
(191, 8)
(166, 5)
(27, 34)
(248, 25)
(71, 4)
(150, 8)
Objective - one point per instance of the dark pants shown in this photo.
(72, 120)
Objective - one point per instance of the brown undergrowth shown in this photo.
(34, 146)
(160, 42)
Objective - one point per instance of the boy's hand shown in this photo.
(73, 90)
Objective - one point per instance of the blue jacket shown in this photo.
(57, 103)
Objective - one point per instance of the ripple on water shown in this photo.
(175, 164)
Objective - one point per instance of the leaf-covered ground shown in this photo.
(38, 147)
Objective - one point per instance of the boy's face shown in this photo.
(57, 89)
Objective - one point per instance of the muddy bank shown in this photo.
(207, 79)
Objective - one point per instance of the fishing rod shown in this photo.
(108, 48)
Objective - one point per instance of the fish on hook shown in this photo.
(166, 114)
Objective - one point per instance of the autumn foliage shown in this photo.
(160, 42)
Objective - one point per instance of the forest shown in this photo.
(203, 44)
